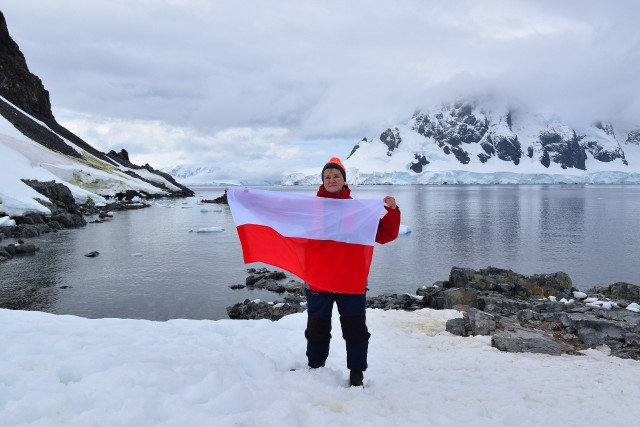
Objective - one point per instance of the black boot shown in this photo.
(316, 365)
(356, 378)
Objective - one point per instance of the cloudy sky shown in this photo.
(258, 88)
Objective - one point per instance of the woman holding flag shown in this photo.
(327, 241)
(351, 306)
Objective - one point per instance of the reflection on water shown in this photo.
(590, 232)
(36, 282)
(153, 265)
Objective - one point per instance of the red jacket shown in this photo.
(389, 224)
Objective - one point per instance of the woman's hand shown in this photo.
(390, 202)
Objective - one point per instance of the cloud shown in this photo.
(253, 153)
(323, 71)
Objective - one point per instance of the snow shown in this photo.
(6, 221)
(579, 295)
(404, 229)
(16, 197)
(70, 371)
(607, 305)
(213, 229)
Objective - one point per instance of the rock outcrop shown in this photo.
(65, 212)
(222, 200)
(274, 281)
(542, 313)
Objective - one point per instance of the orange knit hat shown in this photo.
(335, 163)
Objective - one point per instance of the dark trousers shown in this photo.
(352, 309)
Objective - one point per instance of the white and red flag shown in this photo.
(328, 243)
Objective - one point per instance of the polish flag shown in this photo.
(328, 243)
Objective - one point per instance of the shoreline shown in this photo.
(542, 313)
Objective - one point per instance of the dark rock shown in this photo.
(4, 255)
(508, 149)
(391, 138)
(122, 156)
(26, 220)
(461, 155)
(513, 338)
(265, 310)
(457, 326)
(219, 200)
(462, 124)
(494, 302)
(419, 163)
(480, 323)
(591, 337)
(129, 195)
(21, 248)
(26, 91)
(92, 254)
(510, 283)
(396, 302)
(68, 220)
(273, 281)
(568, 153)
(608, 328)
(483, 157)
(472, 322)
(457, 297)
(619, 291)
(25, 249)
(58, 193)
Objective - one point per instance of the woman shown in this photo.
(352, 307)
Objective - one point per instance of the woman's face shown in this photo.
(332, 180)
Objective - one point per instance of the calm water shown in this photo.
(153, 265)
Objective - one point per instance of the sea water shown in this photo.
(179, 257)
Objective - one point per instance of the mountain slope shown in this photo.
(33, 145)
(471, 142)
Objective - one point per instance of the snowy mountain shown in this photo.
(34, 146)
(208, 175)
(470, 142)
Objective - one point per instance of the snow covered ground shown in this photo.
(70, 371)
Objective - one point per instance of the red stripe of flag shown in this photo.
(326, 265)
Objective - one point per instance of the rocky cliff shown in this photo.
(25, 99)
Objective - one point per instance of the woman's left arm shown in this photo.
(389, 225)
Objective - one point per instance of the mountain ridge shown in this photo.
(475, 142)
(31, 136)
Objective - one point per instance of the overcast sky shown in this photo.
(261, 87)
